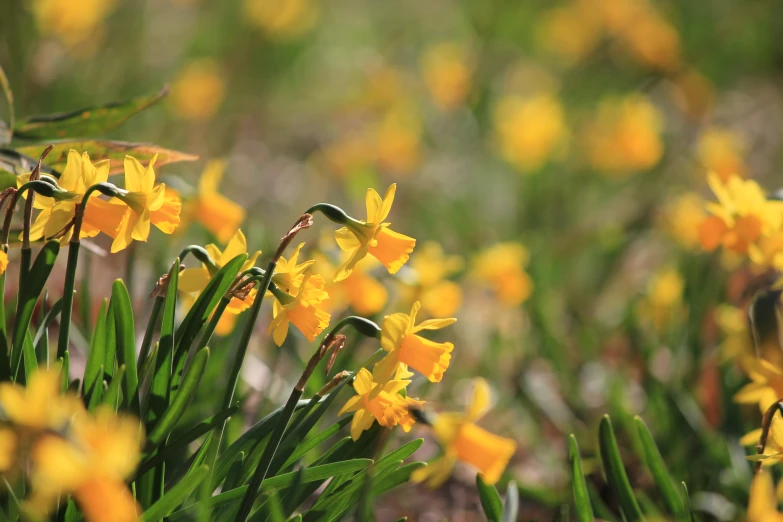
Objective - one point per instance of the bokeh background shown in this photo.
(554, 152)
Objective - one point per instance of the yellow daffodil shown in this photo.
(462, 439)
(40, 405)
(624, 136)
(92, 461)
(447, 69)
(721, 151)
(79, 26)
(438, 296)
(3, 261)
(397, 138)
(215, 212)
(194, 280)
(8, 449)
(374, 237)
(304, 310)
(682, 218)
(381, 401)
(767, 386)
(763, 503)
(502, 267)
(289, 273)
(405, 348)
(198, 91)
(360, 291)
(569, 32)
(739, 219)
(79, 174)
(662, 305)
(529, 130)
(773, 449)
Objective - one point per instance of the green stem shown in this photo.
(68, 288)
(213, 322)
(150, 331)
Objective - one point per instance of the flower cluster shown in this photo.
(66, 450)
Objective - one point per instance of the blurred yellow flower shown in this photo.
(8, 449)
(194, 280)
(740, 217)
(528, 130)
(569, 32)
(40, 405)
(624, 136)
(733, 324)
(405, 348)
(210, 208)
(462, 439)
(502, 268)
(767, 385)
(78, 25)
(439, 297)
(682, 218)
(3, 261)
(663, 305)
(282, 19)
(348, 154)
(360, 290)
(379, 400)
(447, 68)
(374, 237)
(304, 310)
(198, 90)
(721, 151)
(763, 503)
(398, 139)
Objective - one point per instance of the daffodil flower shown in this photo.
(214, 211)
(289, 273)
(374, 237)
(404, 347)
(463, 440)
(194, 280)
(439, 297)
(79, 175)
(763, 504)
(379, 401)
(502, 268)
(39, 405)
(303, 310)
(767, 385)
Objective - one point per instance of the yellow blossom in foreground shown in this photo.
(381, 401)
(304, 310)
(740, 217)
(40, 405)
(682, 218)
(374, 237)
(92, 461)
(405, 348)
(570, 32)
(767, 385)
(194, 280)
(663, 304)
(214, 211)
(763, 504)
(721, 151)
(528, 130)
(282, 19)
(73, 23)
(624, 136)
(462, 439)
(198, 90)
(447, 69)
(439, 297)
(502, 268)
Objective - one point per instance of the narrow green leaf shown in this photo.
(41, 340)
(491, 502)
(511, 508)
(397, 477)
(161, 379)
(175, 496)
(315, 441)
(188, 389)
(112, 395)
(615, 472)
(105, 150)
(660, 473)
(584, 510)
(126, 341)
(84, 122)
(686, 501)
(30, 359)
(110, 343)
(28, 296)
(96, 393)
(93, 369)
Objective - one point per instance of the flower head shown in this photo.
(721, 151)
(374, 236)
(767, 385)
(198, 91)
(304, 310)
(502, 268)
(379, 401)
(215, 212)
(39, 405)
(439, 297)
(407, 349)
(447, 69)
(763, 505)
(462, 439)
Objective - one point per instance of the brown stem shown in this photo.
(766, 424)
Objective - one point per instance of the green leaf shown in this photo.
(93, 369)
(660, 473)
(491, 502)
(188, 389)
(28, 296)
(112, 395)
(615, 472)
(41, 340)
(5, 86)
(686, 501)
(397, 477)
(126, 341)
(84, 122)
(30, 359)
(584, 510)
(511, 509)
(161, 380)
(105, 150)
(315, 441)
(175, 496)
